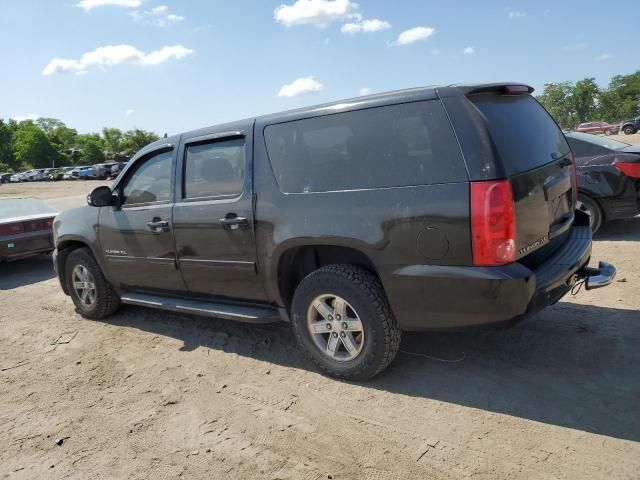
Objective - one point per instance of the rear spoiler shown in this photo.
(501, 88)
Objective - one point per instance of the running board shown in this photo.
(241, 313)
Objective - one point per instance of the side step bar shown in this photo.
(241, 313)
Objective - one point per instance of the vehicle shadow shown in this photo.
(25, 272)
(573, 365)
(617, 230)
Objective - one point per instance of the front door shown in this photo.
(213, 217)
(136, 236)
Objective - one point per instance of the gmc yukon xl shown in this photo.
(427, 208)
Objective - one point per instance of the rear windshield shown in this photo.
(391, 146)
(599, 141)
(19, 207)
(523, 133)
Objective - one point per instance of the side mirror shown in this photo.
(101, 197)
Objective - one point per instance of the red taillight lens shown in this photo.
(11, 229)
(493, 223)
(630, 169)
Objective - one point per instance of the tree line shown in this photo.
(584, 101)
(47, 142)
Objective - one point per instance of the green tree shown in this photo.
(6, 146)
(113, 142)
(32, 148)
(584, 100)
(90, 149)
(5, 168)
(134, 140)
(556, 98)
(622, 98)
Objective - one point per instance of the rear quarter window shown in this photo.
(392, 146)
(523, 134)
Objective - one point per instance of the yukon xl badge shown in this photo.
(531, 246)
(115, 252)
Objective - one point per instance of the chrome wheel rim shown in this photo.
(335, 327)
(84, 285)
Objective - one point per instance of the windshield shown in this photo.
(19, 207)
(600, 141)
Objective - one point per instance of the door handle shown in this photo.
(232, 221)
(158, 226)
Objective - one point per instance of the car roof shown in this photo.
(357, 103)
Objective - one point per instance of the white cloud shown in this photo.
(300, 86)
(574, 46)
(515, 14)
(364, 91)
(469, 51)
(110, 55)
(22, 118)
(87, 5)
(129, 112)
(365, 26)
(414, 34)
(605, 56)
(159, 16)
(320, 13)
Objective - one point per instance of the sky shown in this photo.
(176, 65)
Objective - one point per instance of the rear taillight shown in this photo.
(11, 229)
(630, 169)
(493, 223)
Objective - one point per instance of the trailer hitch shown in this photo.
(597, 277)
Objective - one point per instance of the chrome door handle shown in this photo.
(158, 226)
(232, 221)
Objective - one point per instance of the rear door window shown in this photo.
(391, 146)
(523, 134)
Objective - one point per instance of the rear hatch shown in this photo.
(531, 151)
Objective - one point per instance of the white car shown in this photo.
(20, 177)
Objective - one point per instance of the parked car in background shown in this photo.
(70, 174)
(75, 173)
(25, 228)
(629, 127)
(116, 169)
(608, 177)
(86, 173)
(20, 177)
(428, 208)
(103, 170)
(5, 177)
(59, 173)
(35, 175)
(598, 128)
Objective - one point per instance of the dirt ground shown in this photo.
(148, 394)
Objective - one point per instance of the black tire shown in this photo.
(608, 132)
(364, 292)
(629, 130)
(106, 299)
(591, 206)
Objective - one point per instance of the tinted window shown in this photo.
(604, 142)
(585, 149)
(151, 180)
(524, 135)
(398, 145)
(214, 169)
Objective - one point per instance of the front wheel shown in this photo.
(342, 319)
(593, 209)
(629, 130)
(91, 293)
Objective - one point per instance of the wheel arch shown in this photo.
(63, 248)
(297, 262)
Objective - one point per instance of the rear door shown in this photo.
(213, 216)
(532, 152)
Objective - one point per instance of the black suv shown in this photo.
(426, 208)
(629, 127)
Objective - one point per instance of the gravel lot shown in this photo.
(148, 394)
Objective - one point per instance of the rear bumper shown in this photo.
(25, 245)
(439, 297)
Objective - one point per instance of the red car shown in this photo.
(598, 128)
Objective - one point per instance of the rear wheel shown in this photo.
(342, 319)
(629, 130)
(592, 208)
(92, 295)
